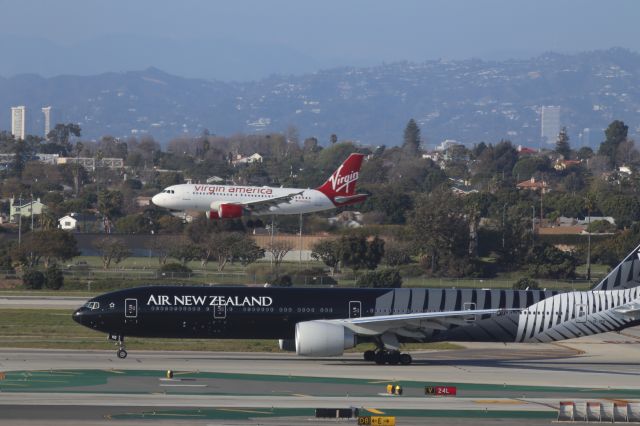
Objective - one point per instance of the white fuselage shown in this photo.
(201, 197)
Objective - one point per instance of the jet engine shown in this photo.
(225, 210)
(319, 338)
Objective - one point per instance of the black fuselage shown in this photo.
(272, 313)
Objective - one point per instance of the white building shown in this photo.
(17, 121)
(550, 124)
(68, 223)
(47, 120)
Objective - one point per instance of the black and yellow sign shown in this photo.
(377, 420)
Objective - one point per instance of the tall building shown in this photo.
(47, 120)
(550, 121)
(17, 121)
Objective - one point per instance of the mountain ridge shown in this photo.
(468, 100)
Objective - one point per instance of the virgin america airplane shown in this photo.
(232, 201)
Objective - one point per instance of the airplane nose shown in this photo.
(156, 200)
(79, 315)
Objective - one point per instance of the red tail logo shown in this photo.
(343, 181)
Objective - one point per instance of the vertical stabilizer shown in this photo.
(625, 275)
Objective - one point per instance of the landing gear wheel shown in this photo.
(380, 358)
(122, 354)
(405, 359)
(369, 355)
(393, 358)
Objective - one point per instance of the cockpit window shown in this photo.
(92, 305)
(169, 191)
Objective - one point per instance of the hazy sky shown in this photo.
(239, 40)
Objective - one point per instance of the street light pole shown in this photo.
(503, 214)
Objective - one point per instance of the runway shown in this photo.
(493, 380)
(42, 302)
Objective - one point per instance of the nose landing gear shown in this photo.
(122, 351)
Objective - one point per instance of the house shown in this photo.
(347, 219)
(534, 185)
(254, 158)
(24, 208)
(523, 150)
(560, 165)
(143, 201)
(592, 219)
(86, 221)
(68, 223)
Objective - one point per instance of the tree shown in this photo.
(385, 278)
(110, 203)
(333, 139)
(440, 231)
(546, 261)
(185, 251)
(53, 277)
(411, 139)
(112, 250)
(61, 134)
(615, 134)
(226, 246)
(585, 153)
(327, 251)
(562, 144)
(278, 250)
(47, 244)
(526, 284)
(397, 253)
(358, 252)
(32, 279)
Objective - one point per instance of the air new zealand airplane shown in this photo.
(322, 322)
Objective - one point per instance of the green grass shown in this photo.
(54, 329)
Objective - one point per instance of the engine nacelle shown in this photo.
(318, 338)
(287, 345)
(221, 210)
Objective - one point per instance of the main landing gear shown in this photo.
(391, 357)
(122, 351)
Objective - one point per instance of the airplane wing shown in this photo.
(262, 205)
(630, 310)
(412, 325)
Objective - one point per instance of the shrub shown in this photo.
(32, 279)
(282, 281)
(385, 278)
(175, 269)
(53, 277)
(526, 284)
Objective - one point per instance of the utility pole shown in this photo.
(503, 223)
(589, 247)
(300, 238)
(20, 221)
(31, 212)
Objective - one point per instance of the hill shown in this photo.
(469, 101)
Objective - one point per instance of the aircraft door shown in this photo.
(131, 308)
(469, 307)
(581, 312)
(355, 309)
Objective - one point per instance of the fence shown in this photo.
(205, 276)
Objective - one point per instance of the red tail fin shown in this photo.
(342, 183)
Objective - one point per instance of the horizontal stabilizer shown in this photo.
(350, 199)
